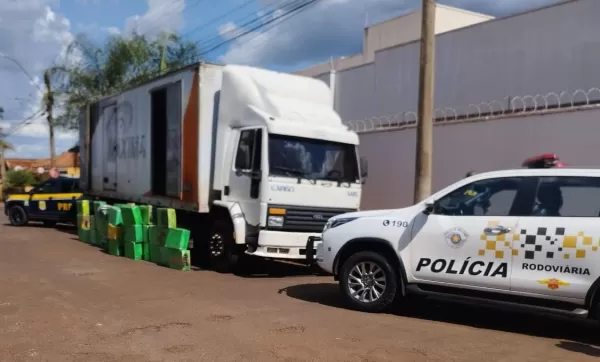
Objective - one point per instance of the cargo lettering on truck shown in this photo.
(132, 147)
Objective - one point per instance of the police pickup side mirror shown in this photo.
(253, 174)
(430, 207)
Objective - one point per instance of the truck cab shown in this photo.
(290, 165)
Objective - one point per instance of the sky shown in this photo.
(35, 34)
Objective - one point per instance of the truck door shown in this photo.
(245, 173)
(110, 147)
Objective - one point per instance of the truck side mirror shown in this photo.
(364, 168)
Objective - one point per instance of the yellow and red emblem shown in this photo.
(553, 283)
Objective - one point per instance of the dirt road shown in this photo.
(61, 300)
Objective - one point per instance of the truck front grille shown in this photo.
(306, 219)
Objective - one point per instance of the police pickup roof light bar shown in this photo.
(548, 160)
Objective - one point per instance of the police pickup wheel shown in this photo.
(368, 282)
(17, 216)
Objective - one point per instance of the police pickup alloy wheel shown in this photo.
(368, 282)
(17, 216)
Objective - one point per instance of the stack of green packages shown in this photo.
(99, 224)
(115, 232)
(169, 244)
(83, 220)
(136, 221)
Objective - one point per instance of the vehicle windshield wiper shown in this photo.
(293, 172)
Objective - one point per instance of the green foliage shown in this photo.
(19, 178)
(118, 64)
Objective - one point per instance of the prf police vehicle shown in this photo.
(526, 238)
(50, 202)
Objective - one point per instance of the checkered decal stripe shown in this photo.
(543, 244)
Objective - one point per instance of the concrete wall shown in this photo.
(502, 143)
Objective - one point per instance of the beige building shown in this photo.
(397, 31)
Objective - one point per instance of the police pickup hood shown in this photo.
(359, 214)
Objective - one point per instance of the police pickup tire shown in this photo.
(17, 216)
(368, 282)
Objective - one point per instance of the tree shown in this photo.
(118, 64)
(19, 178)
(4, 146)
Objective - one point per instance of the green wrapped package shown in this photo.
(157, 235)
(176, 259)
(146, 212)
(114, 216)
(155, 253)
(101, 226)
(133, 233)
(115, 247)
(166, 218)
(93, 240)
(177, 238)
(83, 207)
(83, 222)
(96, 205)
(146, 251)
(133, 250)
(131, 215)
(84, 235)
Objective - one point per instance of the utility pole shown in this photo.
(423, 164)
(49, 100)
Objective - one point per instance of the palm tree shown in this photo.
(118, 64)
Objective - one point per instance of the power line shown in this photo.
(27, 121)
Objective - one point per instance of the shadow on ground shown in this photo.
(576, 336)
(254, 267)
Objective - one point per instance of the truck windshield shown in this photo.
(312, 159)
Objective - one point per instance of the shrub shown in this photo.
(19, 178)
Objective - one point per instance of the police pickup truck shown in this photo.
(50, 202)
(526, 238)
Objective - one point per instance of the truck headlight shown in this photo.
(275, 221)
(332, 223)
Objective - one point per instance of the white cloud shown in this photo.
(161, 16)
(32, 37)
(334, 28)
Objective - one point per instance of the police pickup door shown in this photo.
(520, 238)
(51, 202)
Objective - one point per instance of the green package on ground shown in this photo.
(146, 251)
(84, 235)
(166, 217)
(93, 239)
(133, 250)
(114, 216)
(146, 231)
(177, 238)
(96, 205)
(131, 215)
(114, 248)
(133, 233)
(176, 259)
(157, 235)
(114, 232)
(83, 207)
(83, 222)
(146, 212)
(155, 253)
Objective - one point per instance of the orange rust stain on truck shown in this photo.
(190, 144)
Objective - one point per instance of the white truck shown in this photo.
(526, 238)
(254, 161)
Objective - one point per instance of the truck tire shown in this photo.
(222, 251)
(17, 216)
(368, 282)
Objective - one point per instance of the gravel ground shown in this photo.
(61, 300)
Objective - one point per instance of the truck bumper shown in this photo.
(283, 245)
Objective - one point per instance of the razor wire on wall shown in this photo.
(514, 105)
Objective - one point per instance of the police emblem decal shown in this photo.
(456, 237)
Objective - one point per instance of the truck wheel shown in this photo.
(17, 216)
(368, 282)
(221, 247)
